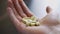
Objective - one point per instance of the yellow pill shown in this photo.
(32, 24)
(24, 20)
(34, 21)
(27, 23)
(33, 18)
(37, 24)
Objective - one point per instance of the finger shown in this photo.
(48, 10)
(18, 8)
(14, 10)
(25, 8)
(19, 25)
(10, 4)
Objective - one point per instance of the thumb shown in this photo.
(48, 9)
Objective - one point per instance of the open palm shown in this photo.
(17, 10)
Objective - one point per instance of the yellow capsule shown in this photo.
(29, 20)
(24, 20)
(33, 18)
(37, 24)
(27, 23)
(34, 21)
(32, 24)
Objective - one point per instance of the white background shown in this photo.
(38, 6)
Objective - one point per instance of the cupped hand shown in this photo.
(17, 10)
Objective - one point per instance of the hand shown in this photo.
(17, 10)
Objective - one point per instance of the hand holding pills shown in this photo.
(22, 17)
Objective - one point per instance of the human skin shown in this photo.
(17, 10)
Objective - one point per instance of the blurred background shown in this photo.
(37, 7)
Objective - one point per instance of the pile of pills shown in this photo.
(31, 21)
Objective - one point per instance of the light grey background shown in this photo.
(38, 7)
